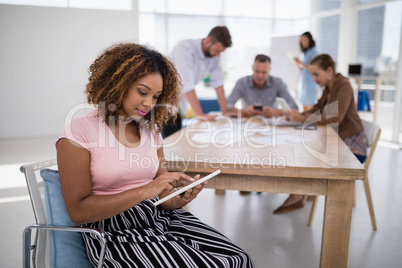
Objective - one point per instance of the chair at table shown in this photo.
(373, 132)
(65, 247)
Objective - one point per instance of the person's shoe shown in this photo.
(283, 209)
(244, 192)
(311, 198)
(220, 192)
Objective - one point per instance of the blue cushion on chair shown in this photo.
(66, 248)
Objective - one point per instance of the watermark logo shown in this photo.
(254, 133)
(329, 153)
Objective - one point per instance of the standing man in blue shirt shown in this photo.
(259, 91)
(194, 59)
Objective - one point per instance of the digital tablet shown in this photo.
(185, 188)
(283, 103)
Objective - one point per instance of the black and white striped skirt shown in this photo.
(149, 236)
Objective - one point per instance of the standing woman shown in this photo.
(112, 169)
(309, 87)
(337, 107)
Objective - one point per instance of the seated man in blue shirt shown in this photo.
(259, 91)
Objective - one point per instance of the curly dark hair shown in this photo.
(117, 68)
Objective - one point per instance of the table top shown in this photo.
(253, 147)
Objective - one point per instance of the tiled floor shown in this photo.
(271, 240)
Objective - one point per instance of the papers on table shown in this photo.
(282, 122)
(258, 133)
(274, 139)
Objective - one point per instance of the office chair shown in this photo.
(65, 247)
(373, 132)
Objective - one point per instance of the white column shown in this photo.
(313, 18)
(135, 18)
(347, 43)
(398, 97)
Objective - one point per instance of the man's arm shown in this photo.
(284, 93)
(194, 102)
(220, 93)
(236, 94)
(196, 106)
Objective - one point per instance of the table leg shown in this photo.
(336, 226)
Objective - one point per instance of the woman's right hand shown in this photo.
(166, 181)
(295, 116)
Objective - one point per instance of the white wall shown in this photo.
(44, 56)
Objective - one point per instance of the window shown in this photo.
(300, 9)
(367, 1)
(369, 41)
(163, 23)
(194, 7)
(90, 4)
(327, 4)
(253, 8)
(378, 47)
(327, 35)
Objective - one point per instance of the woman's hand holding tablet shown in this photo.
(185, 188)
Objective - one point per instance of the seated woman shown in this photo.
(337, 107)
(112, 169)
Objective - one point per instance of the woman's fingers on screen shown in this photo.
(184, 176)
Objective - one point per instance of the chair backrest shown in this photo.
(373, 132)
(36, 192)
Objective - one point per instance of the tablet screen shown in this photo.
(185, 188)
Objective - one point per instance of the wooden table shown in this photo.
(257, 157)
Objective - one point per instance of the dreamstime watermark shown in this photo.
(235, 134)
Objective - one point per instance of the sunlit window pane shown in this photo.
(369, 41)
(195, 7)
(379, 41)
(250, 37)
(47, 3)
(250, 8)
(328, 4)
(300, 9)
(291, 27)
(151, 6)
(327, 35)
(368, 1)
(152, 31)
(186, 27)
(101, 4)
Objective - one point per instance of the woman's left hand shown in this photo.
(183, 199)
(295, 116)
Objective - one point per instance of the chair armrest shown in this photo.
(96, 232)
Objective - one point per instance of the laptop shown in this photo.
(355, 70)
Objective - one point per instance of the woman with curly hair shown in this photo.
(112, 169)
